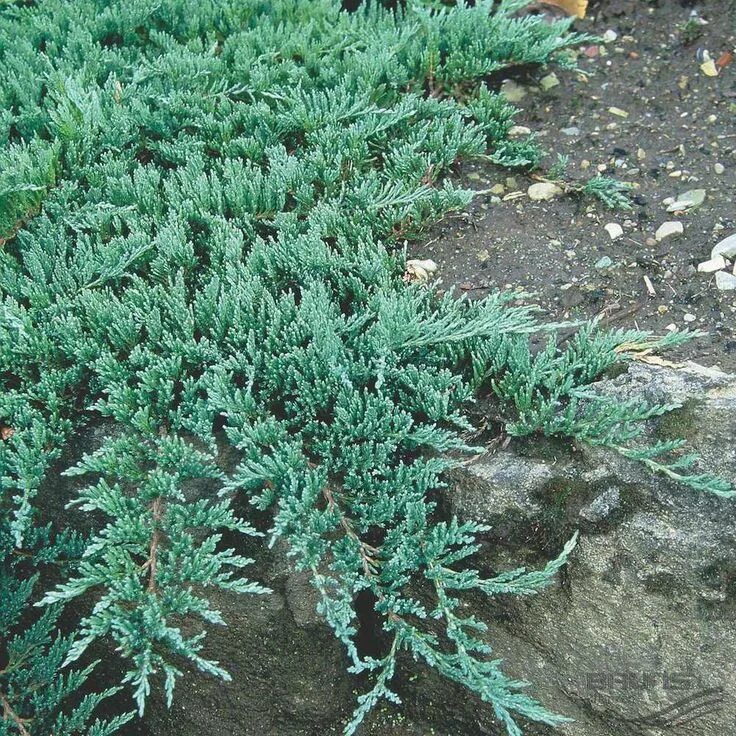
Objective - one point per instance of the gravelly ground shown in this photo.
(680, 124)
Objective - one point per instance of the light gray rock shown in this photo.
(725, 281)
(641, 619)
(668, 230)
(644, 619)
(543, 191)
(725, 247)
(602, 506)
(688, 200)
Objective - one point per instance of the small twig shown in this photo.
(10, 715)
(367, 551)
(616, 316)
(156, 538)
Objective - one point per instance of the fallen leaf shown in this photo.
(709, 68)
(724, 59)
(571, 7)
(657, 360)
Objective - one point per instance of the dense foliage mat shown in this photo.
(202, 210)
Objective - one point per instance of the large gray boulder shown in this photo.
(637, 637)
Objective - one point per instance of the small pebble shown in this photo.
(689, 317)
(714, 264)
(668, 230)
(610, 36)
(719, 168)
(543, 190)
(519, 130)
(725, 248)
(571, 131)
(549, 82)
(614, 230)
(604, 262)
(725, 281)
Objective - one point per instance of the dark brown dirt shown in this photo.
(679, 120)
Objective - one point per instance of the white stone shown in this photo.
(610, 36)
(692, 198)
(714, 264)
(725, 248)
(725, 281)
(689, 318)
(519, 130)
(420, 270)
(614, 230)
(719, 168)
(543, 190)
(668, 230)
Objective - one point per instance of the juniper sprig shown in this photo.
(202, 207)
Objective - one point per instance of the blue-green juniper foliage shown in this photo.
(203, 205)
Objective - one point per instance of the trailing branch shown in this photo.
(10, 715)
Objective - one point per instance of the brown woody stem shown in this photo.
(10, 715)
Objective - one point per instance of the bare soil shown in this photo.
(680, 123)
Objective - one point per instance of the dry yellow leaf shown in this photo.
(571, 7)
(644, 353)
(657, 360)
(709, 68)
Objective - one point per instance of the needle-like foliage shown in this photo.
(203, 205)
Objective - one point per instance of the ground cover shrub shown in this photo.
(203, 207)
